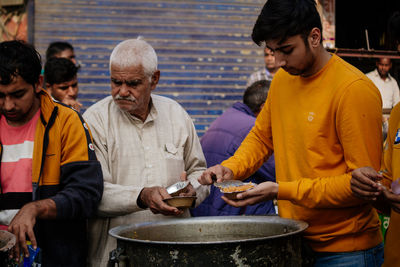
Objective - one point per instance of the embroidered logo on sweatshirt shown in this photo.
(310, 116)
(397, 138)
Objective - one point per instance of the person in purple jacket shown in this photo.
(220, 142)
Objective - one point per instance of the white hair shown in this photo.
(134, 52)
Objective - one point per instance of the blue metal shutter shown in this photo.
(204, 48)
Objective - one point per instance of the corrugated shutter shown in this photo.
(204, 47)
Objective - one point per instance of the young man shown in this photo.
(51, 181)
(366, 182)
(60, 76)
(322, 119)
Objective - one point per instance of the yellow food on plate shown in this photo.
(240, 188)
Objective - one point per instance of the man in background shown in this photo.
(61, 49)
(61, 80)
(387, 86)
(220, 142)
(268, 72)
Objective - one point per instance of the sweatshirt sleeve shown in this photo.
(359, 129)
(81, 177)
(392, 148)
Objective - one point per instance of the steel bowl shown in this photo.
(177, 188)
(181, 202)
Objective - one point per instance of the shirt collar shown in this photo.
(376, 73)
(150, 117)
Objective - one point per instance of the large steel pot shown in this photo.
(7, 242)
(202, 241)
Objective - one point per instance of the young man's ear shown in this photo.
(315, 37)
(39, 84)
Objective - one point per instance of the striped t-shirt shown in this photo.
(16, 166)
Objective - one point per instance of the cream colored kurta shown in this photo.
(136, 154)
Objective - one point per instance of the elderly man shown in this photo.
(144, 142)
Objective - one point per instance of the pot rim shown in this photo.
(116, 231)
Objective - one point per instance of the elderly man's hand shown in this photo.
(222, 173)
(262, 192)
(364, 183)
(153, 197)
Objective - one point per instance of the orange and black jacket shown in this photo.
(64, 169)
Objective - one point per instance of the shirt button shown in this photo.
(149, 166)
(147, 148)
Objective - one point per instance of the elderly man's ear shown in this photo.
(154, 79)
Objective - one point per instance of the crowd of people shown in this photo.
(308, 134)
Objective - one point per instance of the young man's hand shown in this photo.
(364, 183)
(222, 173)
(262, 192)
(393, 199)
(24, 221)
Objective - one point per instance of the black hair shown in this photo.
(281, 19)
(18, 58)
(59, 70)
(256, 94)
(56, 48)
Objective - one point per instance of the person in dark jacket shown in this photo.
(51, 181)
(220, 142)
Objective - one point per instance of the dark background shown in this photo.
(353, 17)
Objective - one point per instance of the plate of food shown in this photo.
(232, 191)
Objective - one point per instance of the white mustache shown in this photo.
(128, 98)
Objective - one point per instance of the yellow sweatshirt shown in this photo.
(320, 128)
(391, 164)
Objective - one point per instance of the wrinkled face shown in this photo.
(383, 66)
(68, 54)
(64, 91)
(19, 101)
(269, 59)
(131, 89)
(293, 55)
